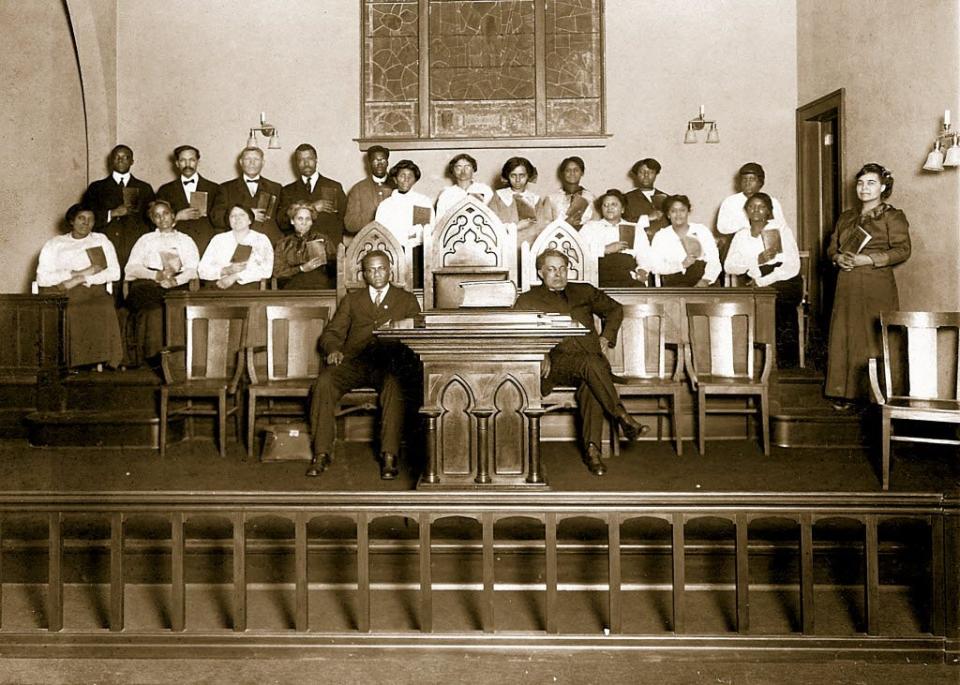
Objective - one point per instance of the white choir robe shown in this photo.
(745, 248)
(396, 214)
(667, 252)
(599, 233)
(451, 195)
(732, 216)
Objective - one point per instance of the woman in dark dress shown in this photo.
(867, 242)
(305, 259)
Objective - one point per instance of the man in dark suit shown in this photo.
(325, 196)
(190, 220)
(253, 191)
(119, 203)
(644, 202)
(366, 195)
(580, 361)
(355, 358)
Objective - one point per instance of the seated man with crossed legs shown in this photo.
(355, 358)
(580, 361)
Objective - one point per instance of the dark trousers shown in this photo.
(596, 395)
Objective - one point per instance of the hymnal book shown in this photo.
(578, 205)
(767, 269)
(241, 254)
(771, 240)
(170, 261)
(855, 241)
(131, 197)
(98, 260)
(525, 210)
(488, 293)
(198, 201)
(329, 194)
(692, 247)
(267, 202)
(421, 216)
(317, 249)
(628, 233)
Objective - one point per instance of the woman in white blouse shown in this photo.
(574, 204)
(461, 170)
(163, 260)
(517, 204)
(684, 254)
(79, 265)
(767, 253)
(238, 259)
(622, 250)
(407, 214)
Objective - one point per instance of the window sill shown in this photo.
(484, 143)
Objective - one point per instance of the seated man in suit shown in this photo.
(192, 221)
(253, 191)
(355, 358)
(580, 361)
(366, 195)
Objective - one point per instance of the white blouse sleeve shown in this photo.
(49, 272)
(112, 272)
(742, 255)
(711, 255)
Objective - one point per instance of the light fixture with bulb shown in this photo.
(698, 123)
(937, 159)
(266, 129)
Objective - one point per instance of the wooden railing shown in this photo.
(940, 516)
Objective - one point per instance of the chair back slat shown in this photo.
(214, 336)
(293, 335)
(721, 336)
(640, 350)
(921, 354)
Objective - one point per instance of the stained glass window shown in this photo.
(482, 69)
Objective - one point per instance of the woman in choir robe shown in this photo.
(516, 204)
(302, 260)
(239, 258)
(461, 169)
(79, 265)
(619, 246)
(867, 242)
(407, 214)
(160, 261)
(575, 204)
(767, 253)
(684, 254)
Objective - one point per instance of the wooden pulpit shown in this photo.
(481, 388)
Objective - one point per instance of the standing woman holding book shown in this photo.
(684, 254)
(767, 252)
(867, 242)
(79, 265)
(460, 170)
(517, 204)
(574, 204)
(239, 258)
(305, 259)
(407, 214)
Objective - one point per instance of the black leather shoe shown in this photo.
(593, 461)
(632, 428)
(388, 466)
(318, 464)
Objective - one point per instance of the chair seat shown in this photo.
(720, 382)
(642, 384)
(288, 387)
(198, 387)
(938, 406)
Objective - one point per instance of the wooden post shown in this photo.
(301, 550)
(116, 572)
(55, 573)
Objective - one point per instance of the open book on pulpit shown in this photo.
(488, 293)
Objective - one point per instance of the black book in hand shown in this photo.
(241, 254)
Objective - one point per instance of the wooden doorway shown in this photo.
(820, 197)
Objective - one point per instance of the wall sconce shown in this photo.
(267, 130)
(936, 160)
(698, 123)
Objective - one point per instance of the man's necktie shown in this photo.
(189, 181)
(306, 184)
(378, 299)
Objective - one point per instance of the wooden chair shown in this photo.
(719, 360)
(373, 236)
(639, 364)
(561, 236)
(470, 243)
(921, 373)
(213, 368)
(293, 360)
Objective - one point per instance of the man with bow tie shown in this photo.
(190, 220)
(253, 191)
(119, 202)
(355, 358)
(581, 361)
(366, 195)
(325, 196)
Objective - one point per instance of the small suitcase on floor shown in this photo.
(286, 442)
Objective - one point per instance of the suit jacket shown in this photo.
(200, 230)
(327, 223)
(106, 194)
(351, 329)
(638, 205)
(581, 301)
(234, 192)
(362, 202)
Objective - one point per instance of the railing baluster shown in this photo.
(363, 574)
(55, 573)
(302, 620)
(613, 555)
(806, 574)
(1, 574)
(937, 597)
(426, 579)
(239, 573)
(743, 574)
(116, 572)
(678, 574)
(488, 574)
(178, 604)
(550, 543)
(872, 574)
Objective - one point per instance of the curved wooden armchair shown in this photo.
(719, 359)
(373, 236)
(212, 368)
(561, 236)
(921, 374)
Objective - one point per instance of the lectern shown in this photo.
(481, 388)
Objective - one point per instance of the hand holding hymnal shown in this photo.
(855, 240)
(198, 203)
(772, 245)
(692, 247)
(421, 216)
(98, 259)
(328, 200)
(525, 210)
(316, 251)
(238, 262)
(578, 205)
(266, 206)
(170, 263)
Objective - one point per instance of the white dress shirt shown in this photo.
(221, 248)
(311, 181)
(597, 234)
(63, 253)
(121, 178)
(451, 195)
(745, 248)
(373, 293)
(189, 184)
(145, 262)
(732, 216)
(396, 214)
(667, 252)
(253, 185)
